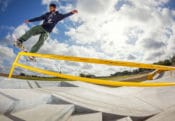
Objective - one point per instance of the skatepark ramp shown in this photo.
(94, 61)
(29, 100)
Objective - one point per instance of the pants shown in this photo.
(37, 30)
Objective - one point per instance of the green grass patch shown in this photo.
(113, 78)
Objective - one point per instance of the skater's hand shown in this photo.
(26, 21)
(74, 11)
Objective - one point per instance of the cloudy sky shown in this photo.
(129, 30)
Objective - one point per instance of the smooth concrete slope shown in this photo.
(167, 115)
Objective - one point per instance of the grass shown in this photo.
(35, 78)
(117, 78)
(113, 78)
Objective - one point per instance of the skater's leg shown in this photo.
(33, 31)
(40, 42)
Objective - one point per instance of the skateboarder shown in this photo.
(50, 19)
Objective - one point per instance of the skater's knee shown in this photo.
(34, 30)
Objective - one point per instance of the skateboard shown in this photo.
(22, 49)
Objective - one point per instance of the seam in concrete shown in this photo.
(37, 84)
(29, 84)
(14, 118)
(15, 102)
(156, 107)
(8, 96)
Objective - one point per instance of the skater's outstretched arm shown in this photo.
(68, 14)
(36, 19)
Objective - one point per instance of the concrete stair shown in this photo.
(86, 117)
(26, 84)
(125, 119)
(13, 100)
(46, 112)
(101, 101)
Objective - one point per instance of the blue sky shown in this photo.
(171, 4)
(17, 11)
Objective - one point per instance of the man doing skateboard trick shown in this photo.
(50, 19)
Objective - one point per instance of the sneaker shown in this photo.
(18, 44)
(31, 58)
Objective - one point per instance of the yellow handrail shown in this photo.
(92, 60)
(96, 81)
(99, 61)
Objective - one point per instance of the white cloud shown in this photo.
(137, 28)
(7, 56)
(95, 6)
(4, 4)
(20, 30)
(55, 31)
(4, 51)
(47, 2)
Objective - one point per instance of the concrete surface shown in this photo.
(167, 115)
(87, 117)
(46, 113)
(26, 100)
(125, 119)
